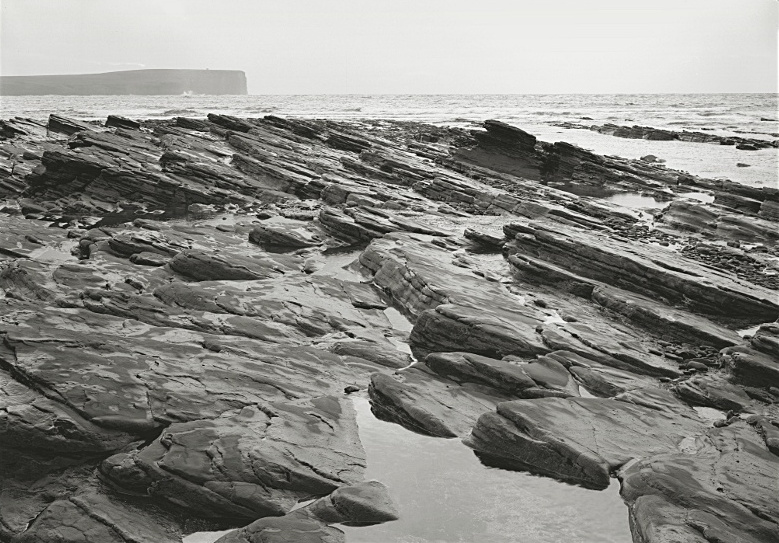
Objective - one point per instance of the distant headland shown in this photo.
(145, 82)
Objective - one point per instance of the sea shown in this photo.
(745, 115)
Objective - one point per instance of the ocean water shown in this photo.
(745, 115)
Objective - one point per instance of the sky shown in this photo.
(409, 47)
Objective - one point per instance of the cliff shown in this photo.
(149, 82)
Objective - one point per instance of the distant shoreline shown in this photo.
(128, 83)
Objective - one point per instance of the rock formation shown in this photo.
(659, 134)
(188, 304)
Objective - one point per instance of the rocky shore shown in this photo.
(189, 306)
(649, 133)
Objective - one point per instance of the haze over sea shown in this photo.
(745, 115)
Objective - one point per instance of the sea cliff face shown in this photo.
(147, 82)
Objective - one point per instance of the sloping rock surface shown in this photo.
(583, 440)
(186, 305)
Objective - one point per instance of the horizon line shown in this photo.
(419, 93)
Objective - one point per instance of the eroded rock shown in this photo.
(583, 440)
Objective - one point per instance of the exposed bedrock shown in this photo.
(666, 322)
(131, 379)
(446, 394)
(460, 311)
(94, 515)
(250, 463)
(646, 270)
(659, 134)
(359, 504)
(568, 165)
(202, 266)
(719, 223)
(583, 440)
(454, 310)
(719, 487)
(186, 306)
(756, 364)
(715, 391)
(285, 236)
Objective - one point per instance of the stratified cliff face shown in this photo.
(150, 82)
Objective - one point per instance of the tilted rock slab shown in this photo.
(723, 487)
(445, 395)
(255, 462)
(654, 272)
(583, 440)
(130, 380)
(454, 310)
(362, 503)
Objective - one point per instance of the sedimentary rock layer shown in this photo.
(188, 305)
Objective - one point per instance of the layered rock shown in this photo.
(645, 269)
(186, 304)
(721, 224)
(251, 463)
(583, 440)
(446, 395)
(758, 363)
(365, 503)
(659, 134)
(718, 489)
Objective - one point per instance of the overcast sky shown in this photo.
(414, 46)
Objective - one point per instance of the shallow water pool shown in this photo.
(636, 200)
(445, 494)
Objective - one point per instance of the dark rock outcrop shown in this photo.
(644, 269)
(66, 126)
(117, 121)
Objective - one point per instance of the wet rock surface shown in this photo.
(187, 305)
(718, 490)
(583, 440)
(649, 133)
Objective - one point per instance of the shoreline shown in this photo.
(538, 115)
(189, 304)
